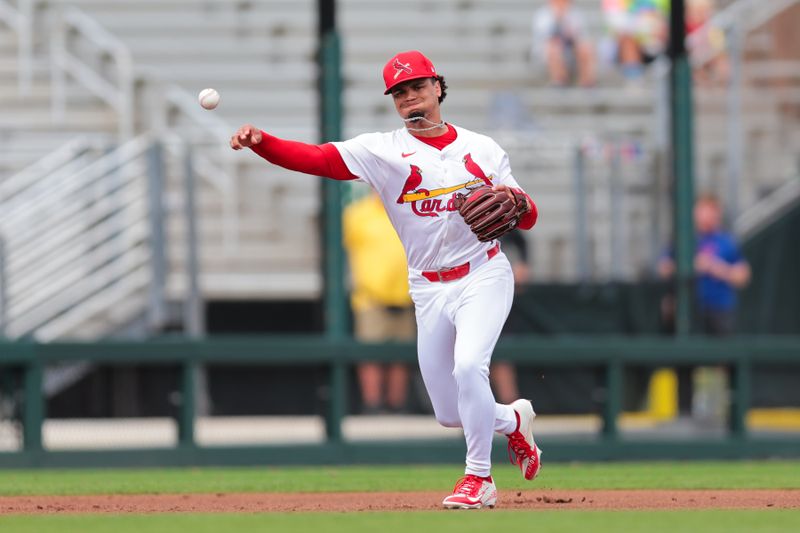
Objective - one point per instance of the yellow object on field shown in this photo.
(774, 419)
(662, 396)
(377, 259)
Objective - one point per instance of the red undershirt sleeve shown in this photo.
(315, 159)
(528, 219)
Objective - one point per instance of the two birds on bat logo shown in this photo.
(401, 67)
(424, 202)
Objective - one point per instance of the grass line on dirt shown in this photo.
(657, 475)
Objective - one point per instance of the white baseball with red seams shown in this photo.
(208, 98)
(459, 321)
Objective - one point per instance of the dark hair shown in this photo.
(708, 198)
(443, 84)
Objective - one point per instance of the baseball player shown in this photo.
(449, 194)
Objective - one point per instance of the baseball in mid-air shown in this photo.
(209, 98)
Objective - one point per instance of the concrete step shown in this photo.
(204, 5)
(278, 77)
(85, 120)
(299, 130)
(193, 49)
(376, 19)
(262, 205)
(9, 69)
(249, 229)
(246, 12)
(215, 27)
(287, 111)
(276, 284)
(249, 258)
(445, 46)
(40, 96)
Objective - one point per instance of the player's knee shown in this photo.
(448, 421)
(468, 372)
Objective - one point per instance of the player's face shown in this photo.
(420, 96)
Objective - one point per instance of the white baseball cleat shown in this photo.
(472, 492)
(522, 449)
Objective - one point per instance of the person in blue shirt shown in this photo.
(720, 270)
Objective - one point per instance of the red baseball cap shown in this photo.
(406, 66)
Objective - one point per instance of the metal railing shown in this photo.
(20, 19)
(3, 297)
(26, 186)
(175, 103)
(61, 159)
(117, 92)
(768, 209)
(85, 234)
(105, 68)
(115, 84)
(78, 238)
(193, 312)
(604, 184)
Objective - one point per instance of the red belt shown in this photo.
(456, 272)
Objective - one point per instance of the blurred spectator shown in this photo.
(560, 40)
(382, 307)
(698, 12)
(639, 29)
(719, 268)
(503, 375)
(706, 42)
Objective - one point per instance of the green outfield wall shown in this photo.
(611, 355)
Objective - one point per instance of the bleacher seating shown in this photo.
(260, 55)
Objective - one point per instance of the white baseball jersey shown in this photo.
(417, 184)
(458, 322)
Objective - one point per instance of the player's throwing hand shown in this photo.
(245, 137)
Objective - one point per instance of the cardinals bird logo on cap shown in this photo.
(401, 67)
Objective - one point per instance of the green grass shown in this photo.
(441, 522)
(666, 475)
(767, 474)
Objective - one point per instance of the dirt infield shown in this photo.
(399, 501)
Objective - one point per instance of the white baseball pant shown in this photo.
(458, 324)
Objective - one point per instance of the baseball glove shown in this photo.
(490, 214)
